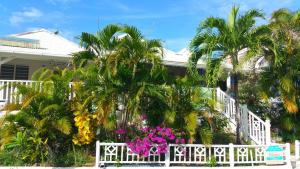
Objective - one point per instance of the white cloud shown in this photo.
(26, 15)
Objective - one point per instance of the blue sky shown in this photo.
(172, 21)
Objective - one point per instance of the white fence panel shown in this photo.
(187, 155)
(112, 153)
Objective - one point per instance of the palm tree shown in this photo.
(129, 74)
(227, 37)
(283, 55)
(126, 79)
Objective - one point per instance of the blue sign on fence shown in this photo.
(274, 155)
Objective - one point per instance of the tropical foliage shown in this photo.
(117, 85)
(43, 127)
(119, 90)
(282, 52)
(129, 81)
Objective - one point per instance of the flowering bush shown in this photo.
(157, 138)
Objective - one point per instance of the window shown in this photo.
(7, 72)
(17, 72)
(21, 72)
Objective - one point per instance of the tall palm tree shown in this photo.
(227, 37)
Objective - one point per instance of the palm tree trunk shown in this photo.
(237, 110)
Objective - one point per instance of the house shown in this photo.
(22, 54)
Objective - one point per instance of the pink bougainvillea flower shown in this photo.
(172, 137)
(157, 137)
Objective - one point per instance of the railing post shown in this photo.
(231, 155)
(296, 151)
(288, 154)
(268, 132)
(167, 159)
(97, 154)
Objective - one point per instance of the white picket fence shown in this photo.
(187, 155)
(252, 128)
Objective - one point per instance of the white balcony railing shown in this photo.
(187, 155)
(9, 90)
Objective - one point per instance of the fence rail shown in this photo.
(252, 126)
(9, 90)
(187, 155)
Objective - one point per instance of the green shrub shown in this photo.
(73, 157)
(9, 159)
(223, 138)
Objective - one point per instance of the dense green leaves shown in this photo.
(130, 81)
(283, 56)
(44, 125)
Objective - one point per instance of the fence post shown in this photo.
(297, 151)
(288, 154)
(97, 154)
(167, 159)
(231, 155)
(268, 132)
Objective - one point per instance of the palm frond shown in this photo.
(63, 125)
(232, 17)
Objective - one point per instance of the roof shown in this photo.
(43, 44)
(49, 44)
(181, 59)
(17, 39)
